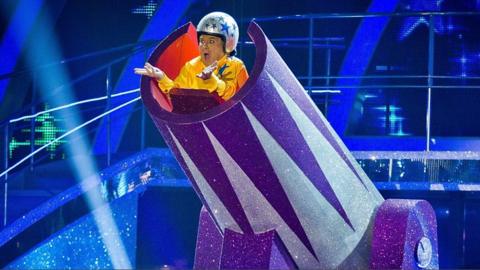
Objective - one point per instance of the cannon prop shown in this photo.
(279, 188)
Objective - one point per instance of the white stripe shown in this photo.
(325, 228)
(358, 202)
(365, 179)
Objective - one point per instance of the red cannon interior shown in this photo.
(171, 60)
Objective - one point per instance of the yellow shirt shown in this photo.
(226, 80)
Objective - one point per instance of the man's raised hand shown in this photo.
(207, 71)
(150, 71)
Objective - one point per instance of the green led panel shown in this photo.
(45, 132)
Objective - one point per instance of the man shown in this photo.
(216, 69)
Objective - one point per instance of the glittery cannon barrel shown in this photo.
(267, 160)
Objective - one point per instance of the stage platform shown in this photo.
(156, 211)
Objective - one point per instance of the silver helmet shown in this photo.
(222, 25)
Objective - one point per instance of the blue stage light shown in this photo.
(14, 38)
(165, 19)
(357, 60)
(81, 161)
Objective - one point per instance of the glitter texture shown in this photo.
(209, 243)
(445, 167)
(247, 251)
(399, 226)
(267, 165)
(80, 245)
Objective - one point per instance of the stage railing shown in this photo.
(306, 25)
(29, 112)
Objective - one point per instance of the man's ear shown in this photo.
(224, 46)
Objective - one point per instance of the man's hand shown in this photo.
(150, 71)
(207, 71)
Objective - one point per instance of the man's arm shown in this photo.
(151, 71)
(166, 84)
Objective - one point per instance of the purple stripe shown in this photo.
(196, 143)
(208, 250)
(290, 139)
(297, 93)
(240, 141)
(171, 144)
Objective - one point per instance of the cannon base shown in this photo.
(238, 250)
(405, 236)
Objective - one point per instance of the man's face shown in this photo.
(211, 49)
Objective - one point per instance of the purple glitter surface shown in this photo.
(251, 157)
(280, 258)
(209, 243)
(196, 143)
(399, 226)
(247, 251)
(293, 87)
(275, 120)
(283, 75)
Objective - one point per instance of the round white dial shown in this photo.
(423, 252)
